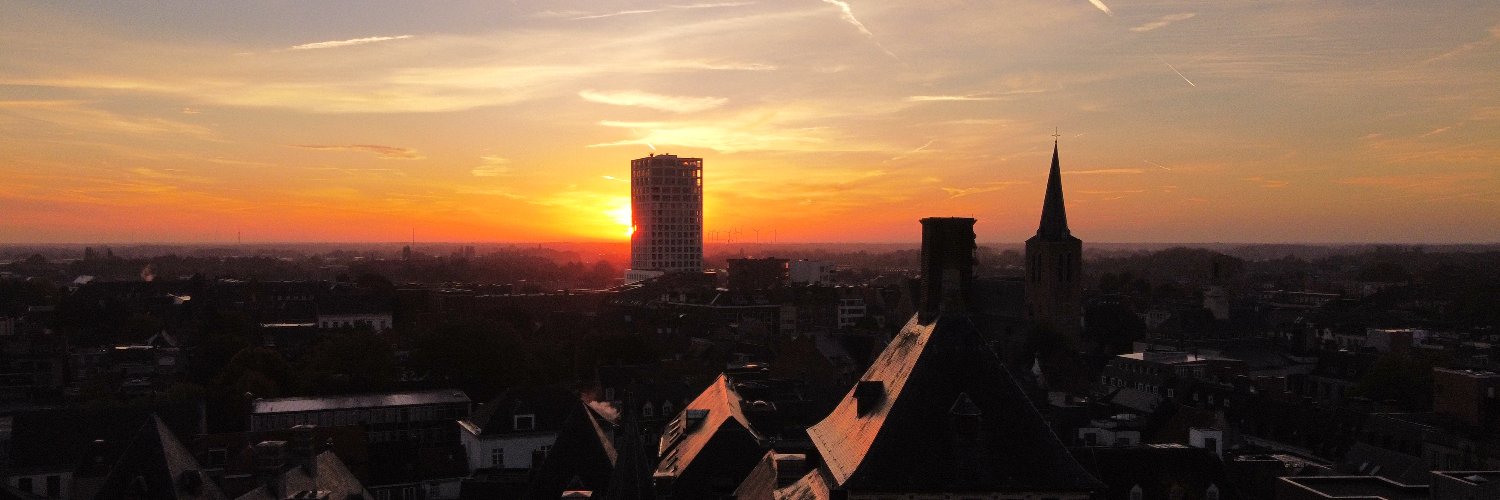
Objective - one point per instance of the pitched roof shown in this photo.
(157, 465)
(297, 404)
(1054, 224)
(920, 435)
(583, 453)
(547, 405)
(1157, 470)
(331, 476)
(684, 438)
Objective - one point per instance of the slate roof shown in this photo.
(708, 457)
(1157, 470)
(549, 405)
(1054, 225)
(911, 440)
(332, 476)
(583, 456)
(299, 404)
(681, 441)
(64, 439)
(156, 465)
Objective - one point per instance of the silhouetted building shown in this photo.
(1054, 264)
(756, 275)
(947, 265)
(666, 211)
(1467, 395)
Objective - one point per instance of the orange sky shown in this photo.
(1232, 121)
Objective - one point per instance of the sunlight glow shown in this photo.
(620, 214)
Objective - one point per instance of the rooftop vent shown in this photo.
(790, 467)
(868, 394)
(695, 418)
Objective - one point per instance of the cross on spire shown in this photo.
(1055, 135)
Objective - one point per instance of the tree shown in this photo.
(351, 361)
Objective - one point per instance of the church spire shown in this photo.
(1054, 215)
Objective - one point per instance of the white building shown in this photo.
(515, 430)
(666, 212)
(810, 271)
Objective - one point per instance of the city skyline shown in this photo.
(823, 121)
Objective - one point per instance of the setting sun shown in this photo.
(620, 214)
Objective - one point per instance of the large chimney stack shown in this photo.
(947, 265)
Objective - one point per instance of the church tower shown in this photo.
(1054, 265)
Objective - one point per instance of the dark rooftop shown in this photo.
(300, 404)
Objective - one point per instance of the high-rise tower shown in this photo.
(1054, 265)
(666, 211)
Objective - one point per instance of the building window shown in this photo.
(525, 422)
(1212, 493)
(217, 457)
(54, 486)
(409, 493)
(647, 410)
(497, 457)
(1136, 493)
(24, 484)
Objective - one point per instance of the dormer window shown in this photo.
(648, 410)
(526, 422)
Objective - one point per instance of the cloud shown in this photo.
(1268, 183)
(675, 104)
(847, 14)
(632, 12)
(349, 42)
(982, 188)
(921, 149)
(1104, 171)
(1100, 5)
(1163, 22)
(1494, 36)
(931, 98)
(1437, 131)
(384, 152)
(491, 166)
(76, 115)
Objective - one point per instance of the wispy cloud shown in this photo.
(1268, 183)
(724, 138)
(987, 187)
(349, 42)
(675, 104)
(1494, 36)
(940, 98)
(1437, 131)
(632, 12)
(80, 116)
(1105, 171)
(384, 152)
(1099, 4)
(921, 149)
(1163, 22)
(491, 166)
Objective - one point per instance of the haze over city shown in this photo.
(818, 121)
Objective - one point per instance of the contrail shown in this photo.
(1100, 5)
(1179, 73)
(1163, 167)
(847, 14)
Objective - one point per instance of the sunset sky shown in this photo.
(818, 120)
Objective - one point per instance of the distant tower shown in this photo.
(1054, 265)
(666, 210)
